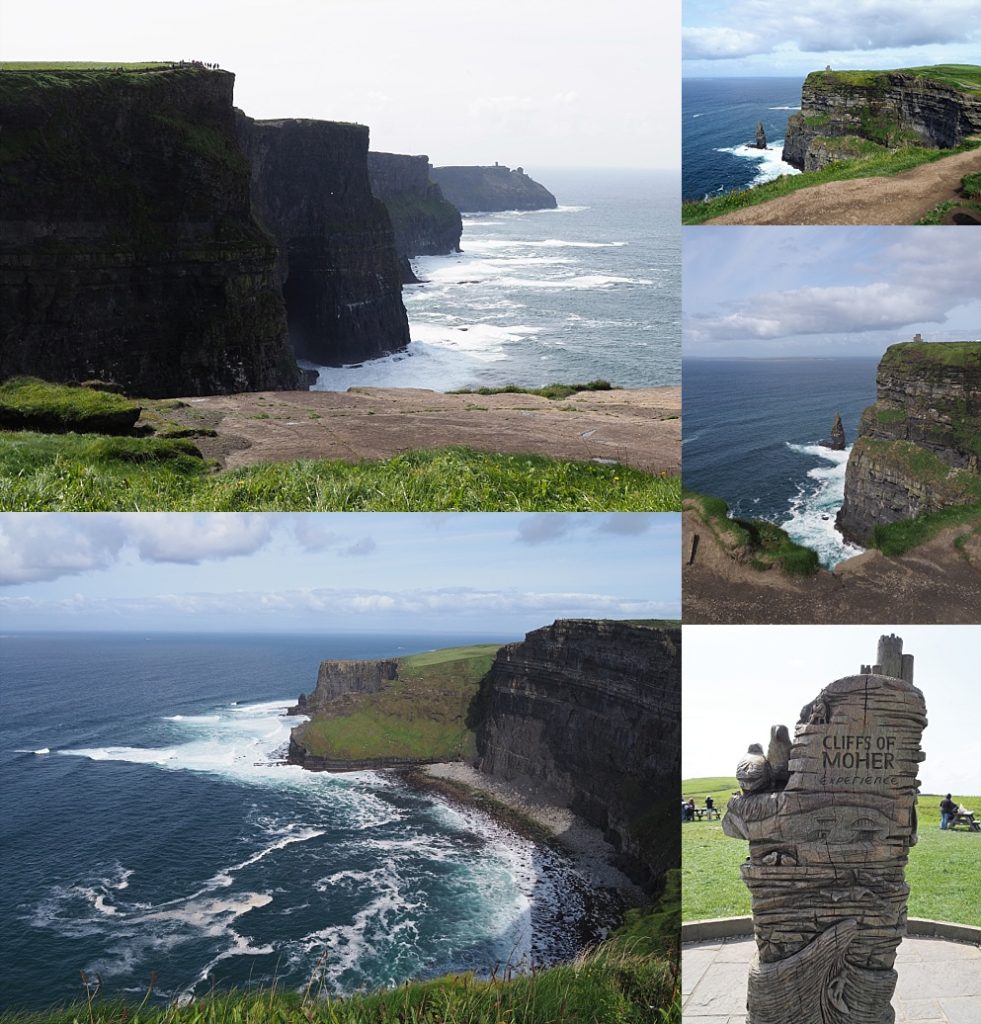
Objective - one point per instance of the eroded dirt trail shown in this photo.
(901, 199)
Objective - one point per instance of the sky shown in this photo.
(534, 84)
(737, 38)
(826, 291)
(365, 572)
(740, 680)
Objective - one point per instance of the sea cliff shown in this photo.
(424, 222)
(339, 270)
(590, 712)
(846, 114)
(919, 445)
(473, 189)
(129, 251)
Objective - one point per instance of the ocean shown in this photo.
(718, 135)
(588, 291)
(148, 828)
(753, 429)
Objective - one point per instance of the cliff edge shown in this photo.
(339, 271)
(919, 446)
(486, 189)
(846, 114)
(129, 251)
(589, 711)
(424, 221)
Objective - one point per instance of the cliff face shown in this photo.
(129, 251)
(340, 678)
(492, 188)
(887, 108)
(590, 711)
(425, 224)
(919, 445)
(340, 273)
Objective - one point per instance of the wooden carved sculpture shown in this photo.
(828, 839)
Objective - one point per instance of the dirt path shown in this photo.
(901, 199)
(933, 583)
(636, 427)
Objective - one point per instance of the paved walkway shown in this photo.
(939, 981)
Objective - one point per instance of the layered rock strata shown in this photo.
(128, 249)
(340, 678)
(589, 712)
(340, 274)
(424, 222)
(919, 445)
(828, 850)
(887, 108)
(485, 189)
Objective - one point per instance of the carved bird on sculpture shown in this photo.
(753, 771)
(778, 754)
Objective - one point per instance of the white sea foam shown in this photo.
(811, 517)
(490, 244)
(770, 160)
(783, 108)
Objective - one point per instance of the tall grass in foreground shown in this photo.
(71, 472)
(619, 983)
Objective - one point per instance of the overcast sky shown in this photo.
(368, 572)
(541, 83)
(740, 680)
(772, 37)
(826, 291)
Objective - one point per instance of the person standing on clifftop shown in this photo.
(947, 811)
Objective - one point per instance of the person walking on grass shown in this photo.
(947, 811)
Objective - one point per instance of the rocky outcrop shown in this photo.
(485, 189)
(919, 445)
(760, 136)
(846, 114)
(341, 678)
(129, 251)
(425, 224)
(837, 442)
(339, 270)
(589, 712)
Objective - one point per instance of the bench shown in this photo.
(707, 813)
(967, 820)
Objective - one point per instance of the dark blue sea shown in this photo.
(718, 134)
(753, 429)
(147, 827)
(588, 291)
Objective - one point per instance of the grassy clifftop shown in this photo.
(963, 77)
(419, 716)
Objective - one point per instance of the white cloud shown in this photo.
(825, 26)
(192, 537)
(361, 547)
(44, 546)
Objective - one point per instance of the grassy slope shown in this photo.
(624, 981)
(883, 164)
(422, 714)
(761, 544)
(36, 404)
(942, 873)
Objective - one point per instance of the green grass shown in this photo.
(553, 391)
(612, 985)
(971, 185)
(884, 163)
(69, 472)
(29, 403)
(897, 538)
(938, 213)
(79, 65)
(944, 881)
(423, 715)
(965, 77)
(760, 543)
(939, 353)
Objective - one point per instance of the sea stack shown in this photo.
(760, 135)
(837, 435)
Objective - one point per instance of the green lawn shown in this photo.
(943, 875)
